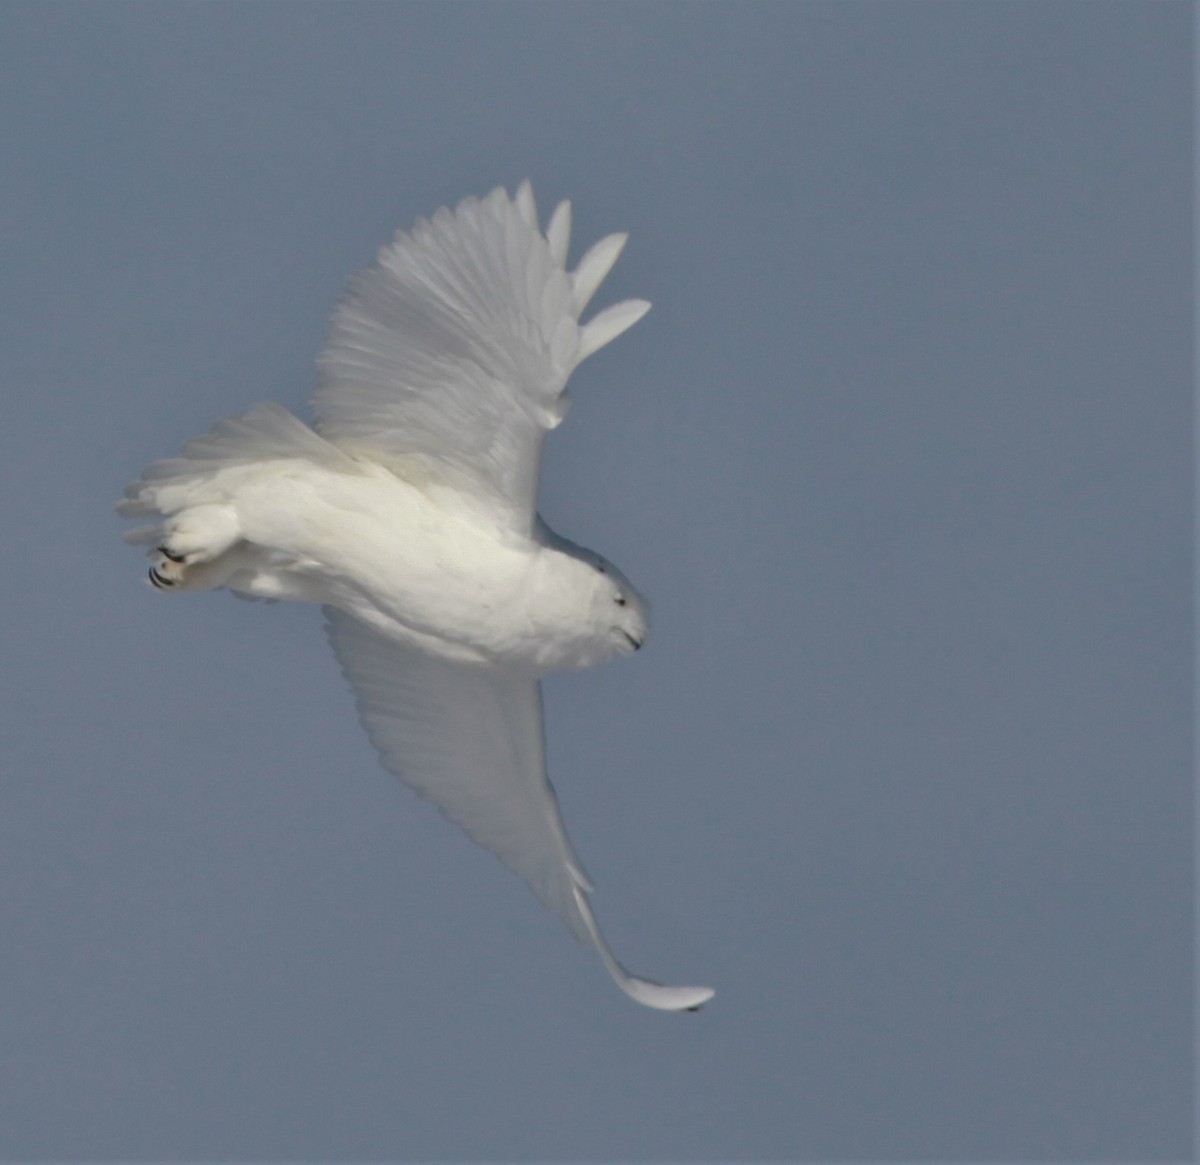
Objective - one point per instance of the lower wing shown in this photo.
(470, 739)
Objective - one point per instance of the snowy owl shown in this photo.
(409, 513)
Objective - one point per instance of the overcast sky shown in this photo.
(901, 457)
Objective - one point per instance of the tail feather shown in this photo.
(268, 432)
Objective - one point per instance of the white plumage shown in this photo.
(409, 514)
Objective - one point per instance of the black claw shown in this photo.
(167, 554)
(160, 580)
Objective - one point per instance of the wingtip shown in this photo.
(648, 993)
(663, 998)
(606, 326)
(558, 233)
(526, 207)
(596, 263)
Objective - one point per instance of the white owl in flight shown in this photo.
(409, 513)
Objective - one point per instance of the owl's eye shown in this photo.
(620, 600)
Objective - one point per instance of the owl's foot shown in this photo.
(168, 572)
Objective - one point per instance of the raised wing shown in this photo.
(470, 740)
(448, 358)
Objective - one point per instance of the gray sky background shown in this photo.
(902, 457)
